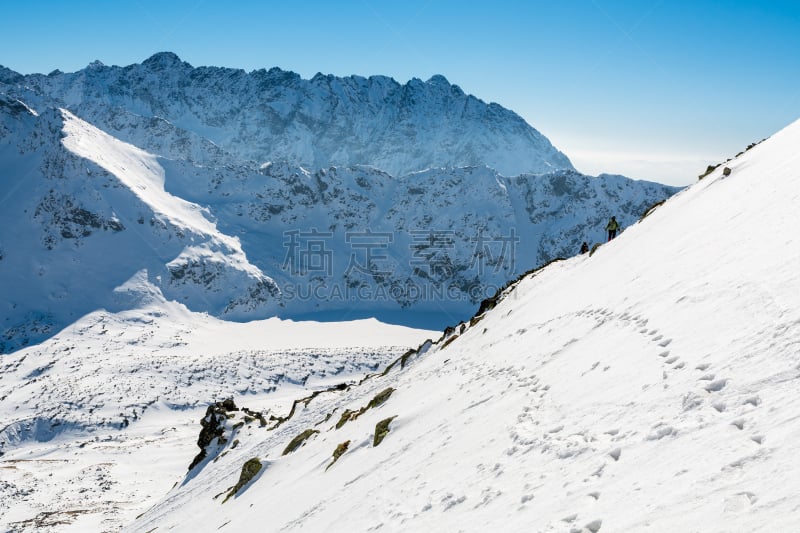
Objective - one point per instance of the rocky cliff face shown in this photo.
(440, 240)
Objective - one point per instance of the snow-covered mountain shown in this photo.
(277, 116)
(87, 213)
(651, 386)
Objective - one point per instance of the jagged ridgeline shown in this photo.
(168, 107)
(248, 195)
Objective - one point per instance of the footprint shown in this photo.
(595, 495)
(706, 377)
(664, 353)
(758, 439)
(750, 496)
(679, 365)
(658, 338)
(691, 401)
(716, 386)
(703, 367)
(738, 423)
(739, 502)
(719, 406)
(661, 431)
(755, 401)
(615, 453)
(594, 525)
(672, 359)
(665, 342)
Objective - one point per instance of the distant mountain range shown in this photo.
(275, 115)
(247, 195)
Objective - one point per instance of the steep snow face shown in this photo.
(277, 116)
(83, 213)
(651, 386)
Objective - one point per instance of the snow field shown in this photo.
(104, 417)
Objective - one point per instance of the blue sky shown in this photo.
(653, 89)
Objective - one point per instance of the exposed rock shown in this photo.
(249, 470)
(213, 424)
(338, 452)
(381, 430)
(377, 401)
(298, 441)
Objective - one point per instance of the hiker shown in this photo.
(584, 247)
(612, 228)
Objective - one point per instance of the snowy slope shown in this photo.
(102, 418)
(277, 116)
(649, 387)
(84, 213)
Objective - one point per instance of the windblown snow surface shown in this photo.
(103, 418)
(649, 387)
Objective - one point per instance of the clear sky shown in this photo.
(653, 89)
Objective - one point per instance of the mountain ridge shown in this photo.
(273, 115)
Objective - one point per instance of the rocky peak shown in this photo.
(438, 80)
(9, 76)
(162, 60)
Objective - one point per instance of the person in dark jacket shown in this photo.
(584, 247)
(612, 227)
